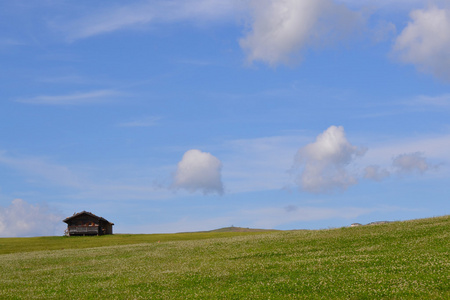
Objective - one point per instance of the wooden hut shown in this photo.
(86, 223)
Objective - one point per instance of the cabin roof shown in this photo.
(66, 220)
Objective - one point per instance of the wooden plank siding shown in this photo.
(86, 223)
(84, 230)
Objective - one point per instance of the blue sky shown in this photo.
(170, 116)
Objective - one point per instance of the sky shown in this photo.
(187, 115)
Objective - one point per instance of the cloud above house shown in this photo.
(199, 171)
(22, 219)
(323, 166)
(425, 41)
(282, 29)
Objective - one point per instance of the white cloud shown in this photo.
(199, 171)
(323, 164)
(282, 28)
(73, 99)
(425, 41)
(22, 219)
(410, 163)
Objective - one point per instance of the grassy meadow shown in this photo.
(399, 260)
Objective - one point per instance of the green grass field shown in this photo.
(400, 260)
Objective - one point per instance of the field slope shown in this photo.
(392, 261)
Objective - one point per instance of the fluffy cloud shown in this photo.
(199, 171)
(22, 219)
(323, 164)
(410, 163)
(426, 40)
(282, 28)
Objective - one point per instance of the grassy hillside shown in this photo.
(397, 260)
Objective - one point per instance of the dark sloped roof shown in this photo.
(66, 220)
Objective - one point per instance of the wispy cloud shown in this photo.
(109, 20)
(92, 182)
(5, 42)
(138, 15)
(42, 169)
(437, 101)
(144, 122)
(91, 97)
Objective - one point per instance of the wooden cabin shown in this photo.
(86, 223)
